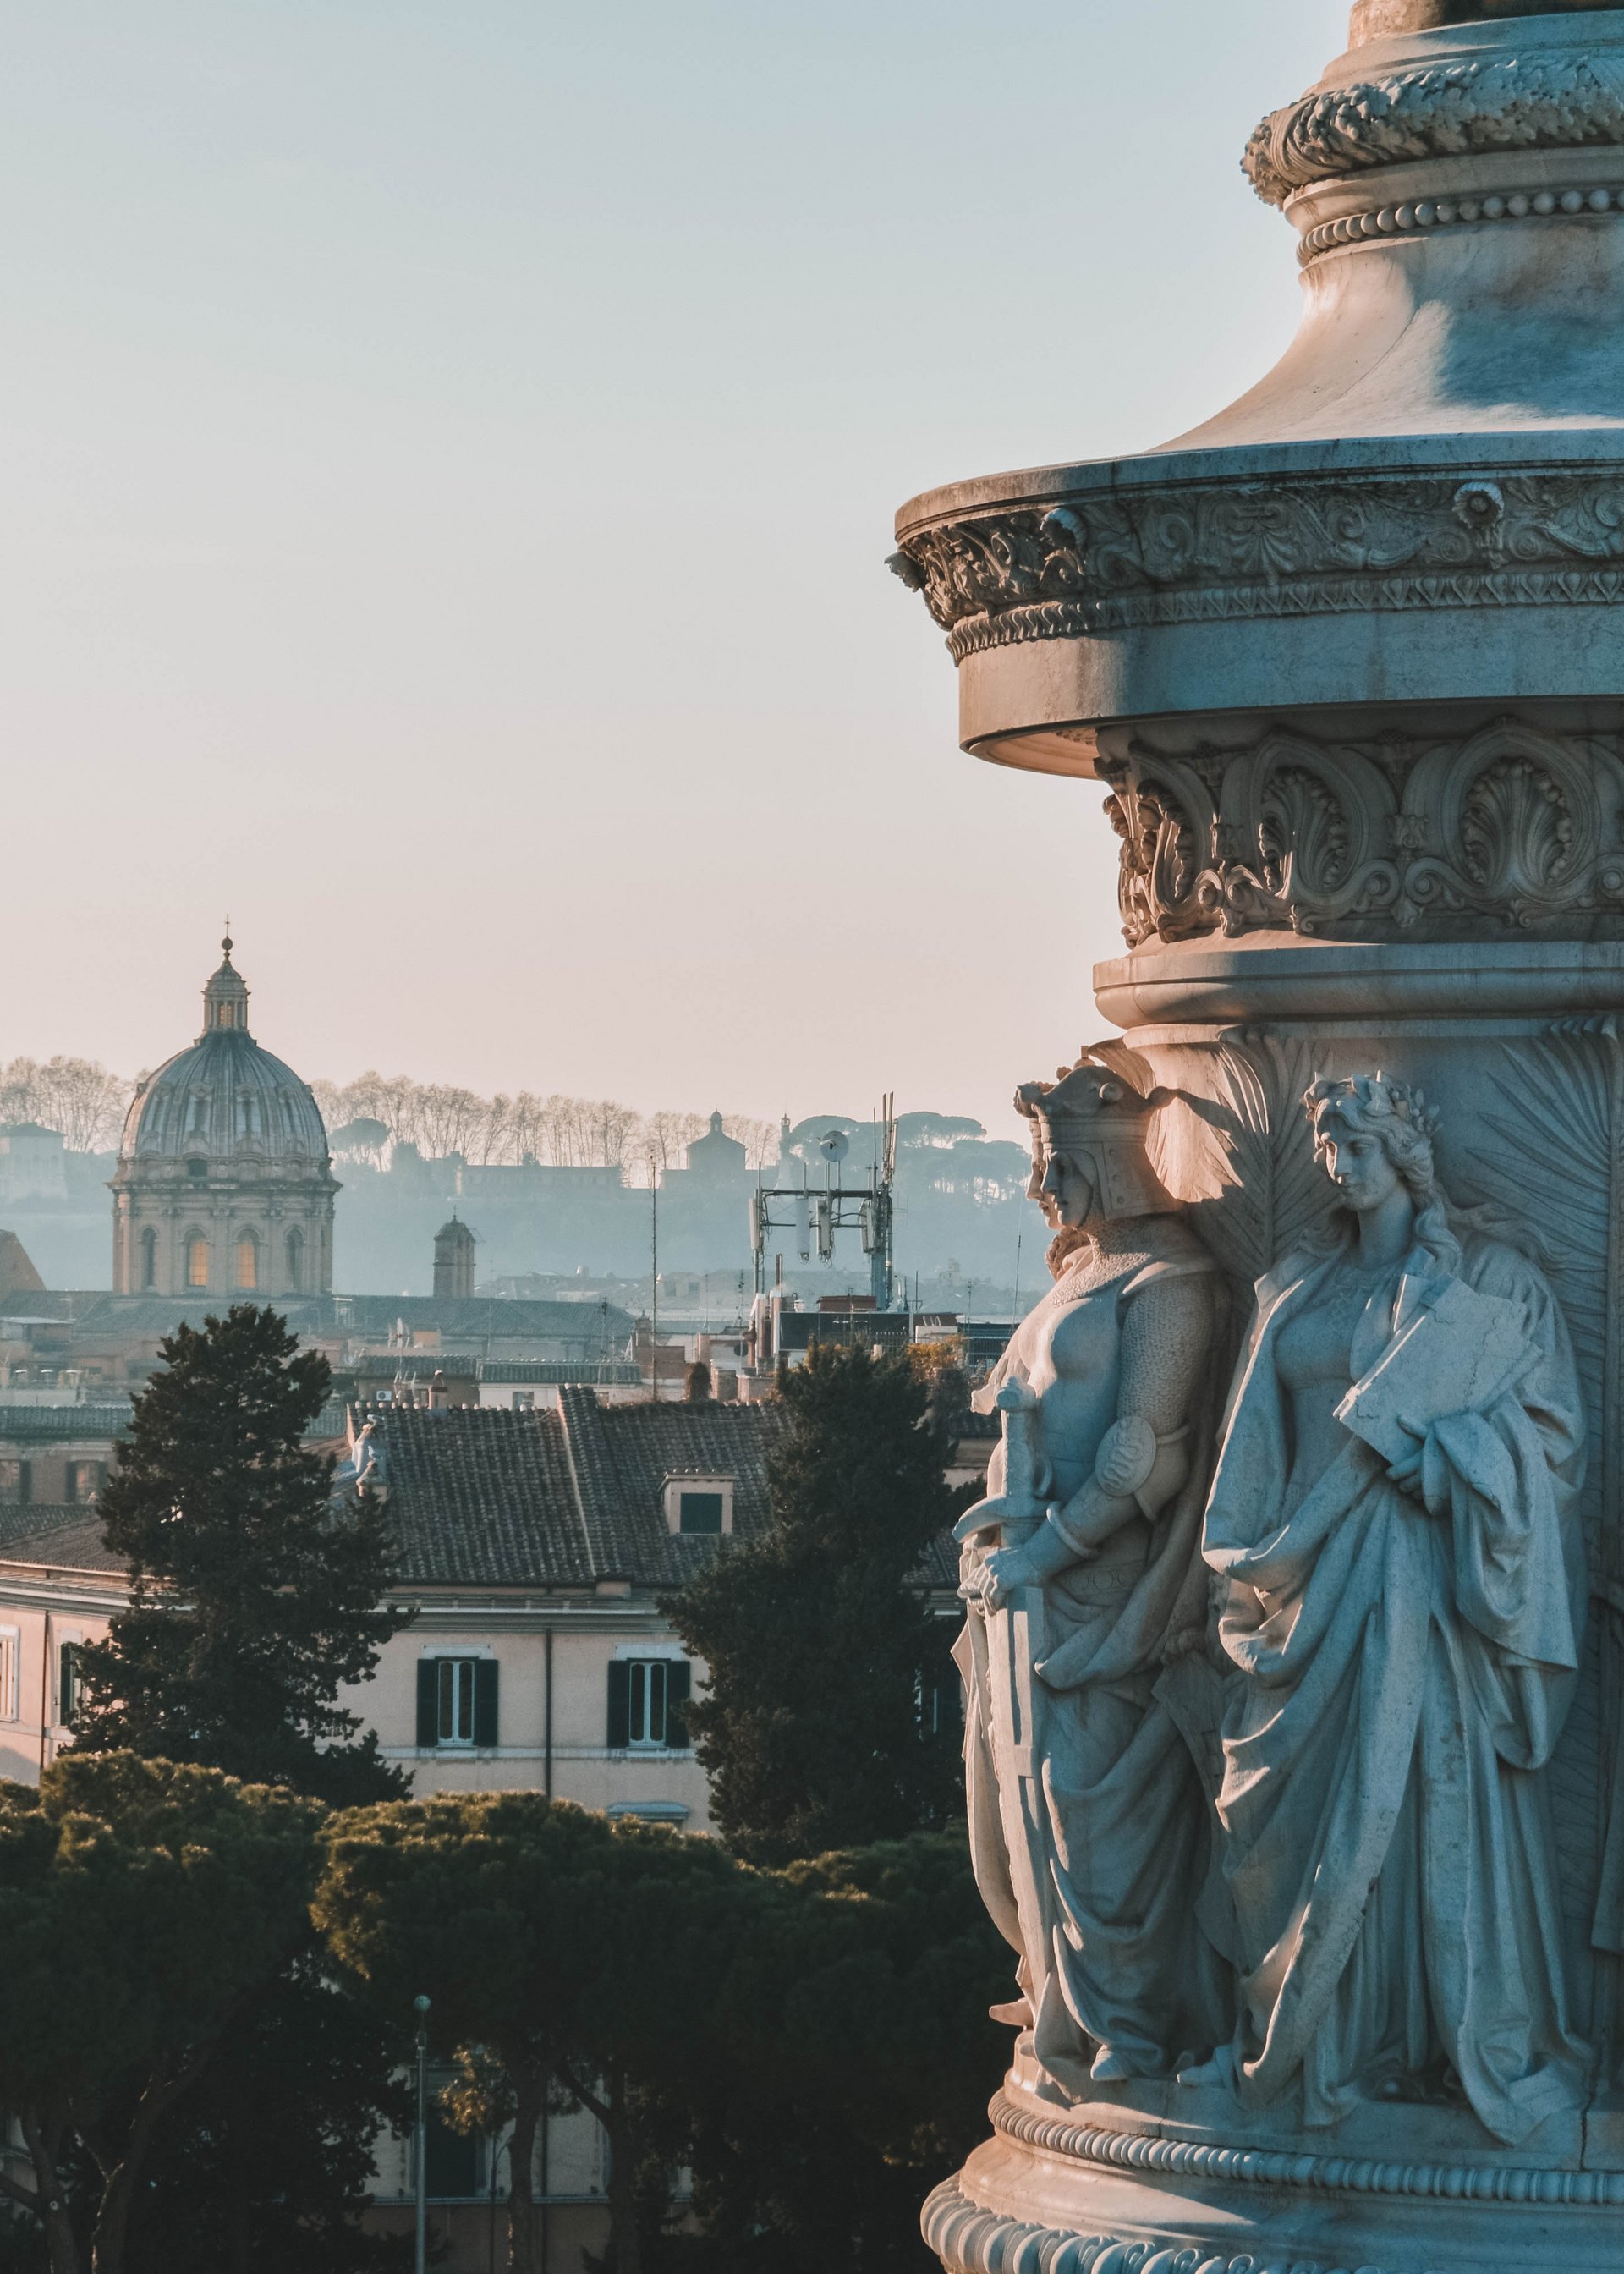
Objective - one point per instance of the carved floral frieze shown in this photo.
(1564, 100)
(1508, 827)
(1093, 563)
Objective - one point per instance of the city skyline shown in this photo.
(449, 471)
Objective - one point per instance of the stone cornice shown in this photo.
(1554, 99)
(1091, 562)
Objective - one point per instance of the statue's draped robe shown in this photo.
(1408, 1665)
(1114, 1831)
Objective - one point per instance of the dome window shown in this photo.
(247, 1261)
(149, 1258)
(296, 1263)
(197, 1261)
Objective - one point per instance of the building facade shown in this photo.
(224, 1187)
(534, 1547)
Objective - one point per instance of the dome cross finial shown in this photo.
(226, 943)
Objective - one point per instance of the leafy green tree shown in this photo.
(142, 1907)
(270, 2164)
(559, 1949)
(252, 1604)
(857, 2061)
(818, 1639)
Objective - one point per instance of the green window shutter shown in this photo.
(428, 1702)
(485, 1674)
(620, 1703)
(678, 1675)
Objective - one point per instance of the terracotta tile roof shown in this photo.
(40, 1424)
(481, 1498)
(61, 1539)
(621, 1456)
(563, 1497)
(487, 1497)
(573, 1495)
(587, 1328)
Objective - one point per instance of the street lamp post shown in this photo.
(420, 2007)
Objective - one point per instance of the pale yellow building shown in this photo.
(532, 1547)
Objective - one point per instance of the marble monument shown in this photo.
(1293, 1649)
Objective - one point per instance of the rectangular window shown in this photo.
(524, 1401)
(700, 1512)
(457, 1703)
(14, 1480)
(11, 1651)
(455, 1724)
(455, 2165)
(647, 1701)
(70, 1684)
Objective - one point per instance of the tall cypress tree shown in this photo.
(253, 1600)
(820, 1645)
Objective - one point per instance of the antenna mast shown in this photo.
(865, 1208)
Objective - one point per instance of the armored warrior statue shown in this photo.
(1087, 1820)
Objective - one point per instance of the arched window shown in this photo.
(247, 1260)
(296, 1261)
(149, 1258)
(197, 1261)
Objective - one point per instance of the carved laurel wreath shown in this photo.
(1560, 101)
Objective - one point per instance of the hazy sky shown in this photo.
(447, 462)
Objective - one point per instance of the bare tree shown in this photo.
(759, 1139)
(78, 1096)
(669, 1135)
(558, 1131)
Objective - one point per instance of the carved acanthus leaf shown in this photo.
(1508, 825)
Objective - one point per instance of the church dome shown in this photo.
(224, 1186)
(225, 1098)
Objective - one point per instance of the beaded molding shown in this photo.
(1146, 2151)
(970, 2240)
(1423, 214)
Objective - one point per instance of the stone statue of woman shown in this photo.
(1087, 1820)
(1395, 1517)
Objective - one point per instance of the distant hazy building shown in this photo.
(224, 1186)
(18, 1276)
(715, 1162)
(454, 1259)
(32, 1162)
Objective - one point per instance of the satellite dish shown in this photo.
(834, 1144)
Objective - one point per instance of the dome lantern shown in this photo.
(225, 998)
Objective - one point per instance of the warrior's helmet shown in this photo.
(1095, 1118)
